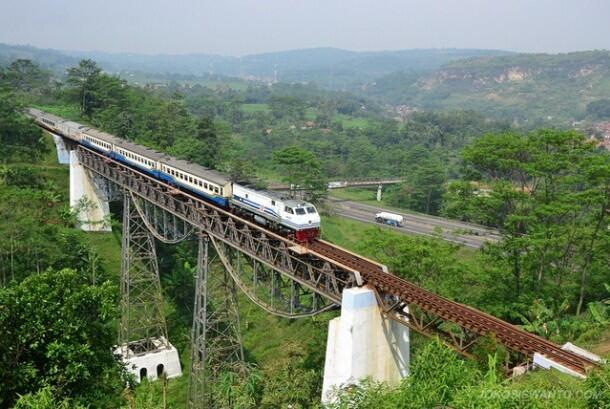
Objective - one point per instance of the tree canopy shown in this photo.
(57, 331)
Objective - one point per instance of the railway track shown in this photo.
(466, 317)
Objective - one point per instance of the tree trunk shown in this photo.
(589, 257)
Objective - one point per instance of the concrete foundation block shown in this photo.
(363, 344)
(93, 211)
(568, 346)
(541, 361)
(150, 364)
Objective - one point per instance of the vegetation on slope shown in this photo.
(532, 89)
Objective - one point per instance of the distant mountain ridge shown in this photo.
(328, 67)
(47, 58)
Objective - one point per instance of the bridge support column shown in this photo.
(379, 189)
(363, 344)
(143, 343)
(92, 209)
(63, 152)
(215, 335)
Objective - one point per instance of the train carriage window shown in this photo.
(221, 191)
(190, 179)
(205, 185)
(216, 190)
(288, 210)
(273, 203)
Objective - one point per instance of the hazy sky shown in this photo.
(237, 27)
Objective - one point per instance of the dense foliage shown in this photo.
(440, 379)
(56, 332)
(19, 138)
(549, 194)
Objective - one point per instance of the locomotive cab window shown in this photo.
(311, 210)
(288, 210)
(300, 210)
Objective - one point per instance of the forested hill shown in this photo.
(50, 59)
(539, 89)
(328, 67)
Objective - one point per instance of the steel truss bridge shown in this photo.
(277, 274)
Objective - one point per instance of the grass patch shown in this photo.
(71, 112)
(108, 247)
(352, 122)
(345, 232)
(254, 108)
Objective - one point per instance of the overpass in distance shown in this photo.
(344, 183)
(286, 278)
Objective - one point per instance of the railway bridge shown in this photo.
(278, 275)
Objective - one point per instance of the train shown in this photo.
(295, 219)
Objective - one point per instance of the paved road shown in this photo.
(466, 234)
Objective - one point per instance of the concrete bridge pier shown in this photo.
(63, 152)
(92, 209)
(379, 189)
(363, 344)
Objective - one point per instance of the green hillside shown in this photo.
(533, 89)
